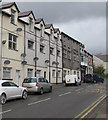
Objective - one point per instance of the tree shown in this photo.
(100, 70)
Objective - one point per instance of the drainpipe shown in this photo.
(57, 60)
(49, 60)
(24, 42)
(62, 58)
(1, 46)
(35, 53)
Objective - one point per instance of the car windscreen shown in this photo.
(88, 76)
(30, 80)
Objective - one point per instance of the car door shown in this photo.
(48, 85)
(44, 84)
(16, 90)
(7, 89)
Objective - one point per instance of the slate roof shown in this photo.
(56, 30)
(26, 13)
(39, 20)
(8, 5)
(23, 14)
(47, 26)
(102, 57)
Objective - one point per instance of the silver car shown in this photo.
(9, 90)
(37, 84)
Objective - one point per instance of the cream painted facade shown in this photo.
(13, 56)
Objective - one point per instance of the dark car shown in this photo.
(93, 78)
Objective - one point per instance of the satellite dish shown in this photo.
(7, 62)
(47, 61)
(23, 55)
(4, 41)
(24, 62)
(19, 29)
(53, 62)
(35, 58)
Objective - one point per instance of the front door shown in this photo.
(17, 76)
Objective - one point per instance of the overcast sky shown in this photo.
(84, 21)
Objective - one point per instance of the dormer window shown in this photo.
(51, 34)
(41, 32)
(30, 24)
(13, 12)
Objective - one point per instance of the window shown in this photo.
(44, 74)
(68, 54)
(74, 72)
(13, 12)
(42, 48)
(12, 84)
(29, 72)
(5, 84)
(51, 35)
(58, 52)
(64, 73)
(42, 80)
(6, 73)
(58, 73)
(41, 32)
(30, 44)
(64, 53)
(12, 42)
(38, 72)
(30, 80)
(53, 73)
(30, 24)
(51, 50)
(82, 58)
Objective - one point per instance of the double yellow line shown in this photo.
(84, 113)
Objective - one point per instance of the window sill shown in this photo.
(52, 54)
(14, 24)
(30, 49)
(42, 52)
(13, 49)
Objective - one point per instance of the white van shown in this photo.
(72, 79)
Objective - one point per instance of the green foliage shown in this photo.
(100, 70)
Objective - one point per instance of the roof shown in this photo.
(8, 5)
(47, 26)
(56, 30)
(70, 37)
(39, 20)
(88, 53)
(102, 57)
(26, 13)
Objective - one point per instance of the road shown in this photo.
(63, 102)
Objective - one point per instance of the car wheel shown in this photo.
(3, 99)
(50, 89)
(41, 91)
(24, 95)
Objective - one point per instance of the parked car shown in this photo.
(9, 90)
(72, 79)
(37, 84)
(93, 78)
